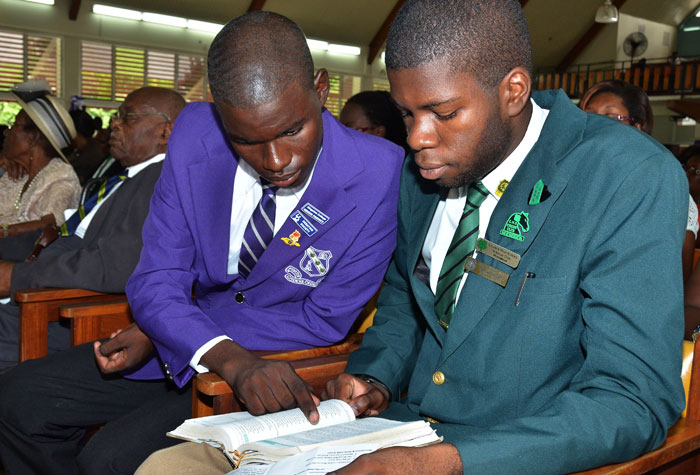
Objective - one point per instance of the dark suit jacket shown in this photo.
(586, 369)
(107, 255)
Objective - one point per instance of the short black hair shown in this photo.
(486, 38)
(380, 110)
(256, 57)
(633, 98)
(85, 124)
(688, 153)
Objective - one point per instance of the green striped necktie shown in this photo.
(461, 247)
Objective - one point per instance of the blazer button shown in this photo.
(438, 377)
(240, 297)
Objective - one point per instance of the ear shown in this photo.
(322, 85)
(165, 131)
(378, 130)
(514, 91)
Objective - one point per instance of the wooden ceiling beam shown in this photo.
(378, 41)
(74, 10)
(686, 107)
(256, 5)
(585, 40)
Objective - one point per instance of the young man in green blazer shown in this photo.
(559, 347)
(563, 351)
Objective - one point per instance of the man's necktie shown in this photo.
(259, 231)
(71, 224)
(461, 247)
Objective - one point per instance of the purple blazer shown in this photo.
(322, 266)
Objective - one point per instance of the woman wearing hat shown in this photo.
(39, 184)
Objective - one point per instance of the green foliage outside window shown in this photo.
(8, 111)
(104, 114)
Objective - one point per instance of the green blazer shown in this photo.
(585, 370)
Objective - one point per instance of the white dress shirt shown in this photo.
(247, 191)
(131, 172)
(449, 211)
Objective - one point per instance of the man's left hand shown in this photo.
(124, 350)
(5, 277)
(440, 458)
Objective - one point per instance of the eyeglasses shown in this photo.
(133, 116)
(692, 170)
(623, 118)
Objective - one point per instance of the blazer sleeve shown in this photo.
(390, 346)
(161, 287)
(104, 261)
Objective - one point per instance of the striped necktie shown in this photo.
(461, 247)
(260, 229)
(71, 224)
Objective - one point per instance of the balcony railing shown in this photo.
(664, 76)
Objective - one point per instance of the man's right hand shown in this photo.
(262, 385)
(364, 398)
(124, 350)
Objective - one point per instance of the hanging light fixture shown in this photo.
(606, 13)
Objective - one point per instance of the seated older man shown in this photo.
(100, 251)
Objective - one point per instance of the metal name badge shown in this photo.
(305, 225)
(501, 254)
(486, 271)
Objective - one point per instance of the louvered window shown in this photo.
(380, 85)
(28, 56)
(110, 72)
(342, 87)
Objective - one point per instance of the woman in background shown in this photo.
(89, 153)
(373, 112)
(39, 183)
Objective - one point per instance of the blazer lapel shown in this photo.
(326, 193)
(479, 294)
(211, 184)
(422, 212)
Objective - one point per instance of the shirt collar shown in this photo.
(507, 168)
(134, 169)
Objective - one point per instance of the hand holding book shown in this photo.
(365, 398)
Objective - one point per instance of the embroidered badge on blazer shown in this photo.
(517, 224)
(314, 263)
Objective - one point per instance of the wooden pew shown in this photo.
(680, 453)
(38, 307)
(212, 395)
(96, 320)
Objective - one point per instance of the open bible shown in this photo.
(266, 439)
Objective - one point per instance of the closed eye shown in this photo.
(445, 117)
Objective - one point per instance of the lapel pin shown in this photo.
(539, 193)
(293, 239)
(501, 187)
(517, 224)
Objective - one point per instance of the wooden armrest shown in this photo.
(45, 294)
(212, 395)
(679, 452)
(350, 344)
(90, 309)
(92, 321)
(318, 366)
(38, 307)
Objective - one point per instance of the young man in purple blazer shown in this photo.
(270, 227)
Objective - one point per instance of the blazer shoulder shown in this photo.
(198, 132)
